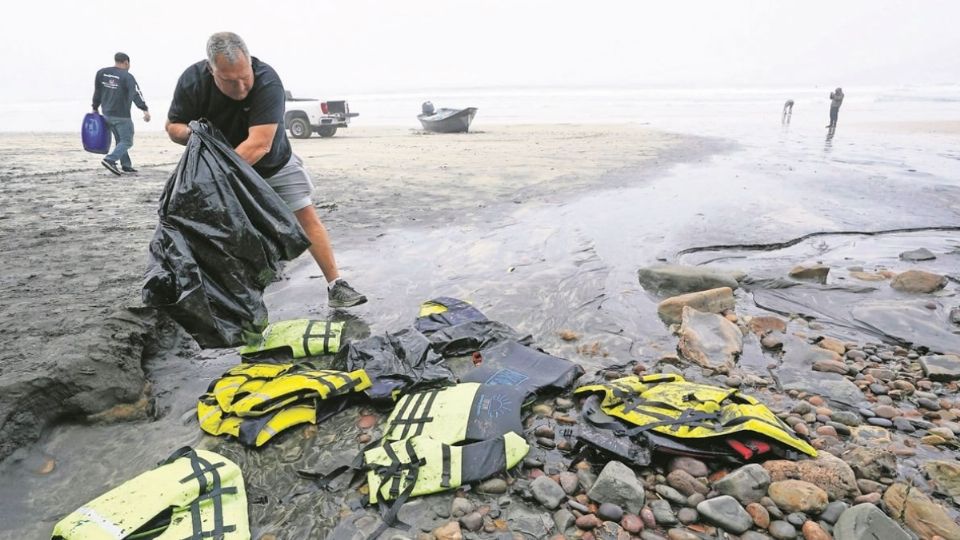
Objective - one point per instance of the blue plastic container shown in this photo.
(95, 134)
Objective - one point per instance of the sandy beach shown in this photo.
(543, 227)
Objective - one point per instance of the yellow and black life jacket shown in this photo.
(192, 494)
(669, 405)
(255, 402)
(301, 337)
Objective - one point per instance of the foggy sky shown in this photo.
(52, 49)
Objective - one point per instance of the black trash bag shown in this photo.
(222, 234)
(532, 371)
(395, 362)
(469, 337)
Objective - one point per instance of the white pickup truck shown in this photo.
(304, 116)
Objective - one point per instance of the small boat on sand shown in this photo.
(446, 120)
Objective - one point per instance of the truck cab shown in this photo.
(306, 116)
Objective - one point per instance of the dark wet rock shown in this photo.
(670, 494)
(816, 273)
(929, 404)
(495, 486)
(687, 516)
(709, 340)
(95, 373)
(871, 463)
(710, 301)
(569, 482)
(563, 519)
(833, 511)
(827, 471)
(609, 512)
(527, 522)
(942, 367)
(919, 254)
(695, 499)
(796, 518)
(650, 535)
(582, 508)
(944, 476)
(460, 507)
(867, 522)
(472, 521)
(918, 512)
(662, 512)
(586, 478)
(686, 484)
(547, 492)
(747, 484)
(904, 425)
(878, 389)
(646, 515)
(846, 418)
(693, 466)
(726, 513)
(676, 279)
(781, 530)
(878, 421)
(618, 484)
(918, 281)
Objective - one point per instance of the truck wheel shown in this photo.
(300, 128)
(327, 131)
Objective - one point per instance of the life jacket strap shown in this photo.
(407, 420)
(215, 492)
(326, 334)
(389, 510)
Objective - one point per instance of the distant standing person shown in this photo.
(836, 99)
(115, 88)
(244, 98)
(787, 111)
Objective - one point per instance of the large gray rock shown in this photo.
(618, 484)
(918, 281)
(867, 522)
(919, 254)
(711, 301)
(672, 279)
(709, 340)
(747, 484)
(871, 463)
(919, 513)
(945, 476)
(941, 367)
(547, 492)
(725, 512)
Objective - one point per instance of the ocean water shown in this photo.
(673, 108)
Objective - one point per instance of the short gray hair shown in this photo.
(228, 44)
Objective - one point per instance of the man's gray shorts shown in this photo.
(293, 184)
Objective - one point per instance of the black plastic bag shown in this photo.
(531, 370)
(397, 362)
(222, 234)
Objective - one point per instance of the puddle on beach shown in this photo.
(568, 263)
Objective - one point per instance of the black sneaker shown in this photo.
(342, 295)
(111, 166)
(129, 170)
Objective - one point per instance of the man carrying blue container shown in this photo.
(115, 89)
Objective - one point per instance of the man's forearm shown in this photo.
(251, 151)
(178, 133)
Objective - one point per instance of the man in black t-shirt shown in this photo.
(114, 88)
(243, 97)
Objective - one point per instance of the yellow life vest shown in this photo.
(302, 337)
(193, 494)
(255, 402)
(670, 405)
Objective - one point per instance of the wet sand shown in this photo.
(543, 227)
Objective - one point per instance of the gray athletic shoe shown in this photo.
(111, 166)
(343, 295)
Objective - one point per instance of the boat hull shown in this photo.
(448, 120)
